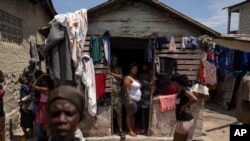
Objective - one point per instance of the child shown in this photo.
(26, 113)
(183, 102)
(2, 113)
(46, 85)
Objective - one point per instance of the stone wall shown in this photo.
(14, 57)
(98, 126)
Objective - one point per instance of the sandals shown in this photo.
(122, 135)
(133, 134)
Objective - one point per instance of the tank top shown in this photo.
(181, 100)
(135, 90)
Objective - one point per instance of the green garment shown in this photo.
(95, 49)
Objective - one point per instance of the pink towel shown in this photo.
(167, 102)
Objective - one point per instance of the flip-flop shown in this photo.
(132, 134)
(122, 135)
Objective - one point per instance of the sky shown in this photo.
(207, 12)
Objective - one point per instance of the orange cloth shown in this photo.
(201, 74)
(167, 102)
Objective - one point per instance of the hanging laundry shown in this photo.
(211, 57)
(157, 64)
(167, 102)
(192, 42)
(220, 58)
(201, 73)
(34, 52)
(184, 43)
(100, 80)
(149, 50)
(95, 49)
(86, 75)
(172, 46)
(107, 48)
(229, 53)
(161, 42)
(210, 71)
(168, 65)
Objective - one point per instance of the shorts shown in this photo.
(131, 108)
(183, 127)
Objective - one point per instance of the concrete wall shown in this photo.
(244, 27)
(14, 57)
(138, 21)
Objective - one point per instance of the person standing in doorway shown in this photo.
(183, 102)
(132, 97)
(116, 77)
(147, 81)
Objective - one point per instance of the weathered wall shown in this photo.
(14, 57)
(244, 27)
(138, 21)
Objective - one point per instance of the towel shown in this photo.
(167, 102)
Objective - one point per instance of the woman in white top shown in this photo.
(132, 88)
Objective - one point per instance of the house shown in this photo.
(243, 9)
(19, 21)
(131, 23)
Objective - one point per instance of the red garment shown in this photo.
(100, 80)
(42, 114)
(201, 73)
(170, 90)
(167, 102)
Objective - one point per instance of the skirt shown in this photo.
(41, 115)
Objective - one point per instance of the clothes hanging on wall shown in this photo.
(157, 64)
(192, 41)
(172, 46)
(168, 65)
(100, 80)
(34, 52)
(167, 102)
(184, 43)
(58, 51)
(149, 50)
(95, 49)
(210, 72)
(201, 73)
(107, 48)
(86, 75)
(161, 42)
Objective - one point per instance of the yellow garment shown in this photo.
(243, 102)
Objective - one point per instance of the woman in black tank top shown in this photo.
(183, 102)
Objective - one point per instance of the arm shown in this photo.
(38, 88)
(192, 99)
(117, 75)
(126, 85)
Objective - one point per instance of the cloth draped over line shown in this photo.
(107, 48)
(86, 76)
(95, 49)
(57, 47)
(34, 51)
(100, 80)
(167, 102)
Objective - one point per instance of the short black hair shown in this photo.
(38, 73)
(182, 79)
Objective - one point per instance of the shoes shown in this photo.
(122, 135)
(133, 134)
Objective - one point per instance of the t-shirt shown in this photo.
(181, 100)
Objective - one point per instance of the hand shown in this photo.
(130, 103)
(185, 109)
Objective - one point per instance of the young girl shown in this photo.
(46, 85)
(26, 114)
(183, 102)
(2, 113)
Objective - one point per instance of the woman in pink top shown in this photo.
(44, 84)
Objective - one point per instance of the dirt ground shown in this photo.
(216, 122)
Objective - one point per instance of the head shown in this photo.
(46, 81)
(178, 81)
(32, 63)
(23, 80)
(1, 77)
(133, 69)
(65, 111)
(114, 60)
(38, 73)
